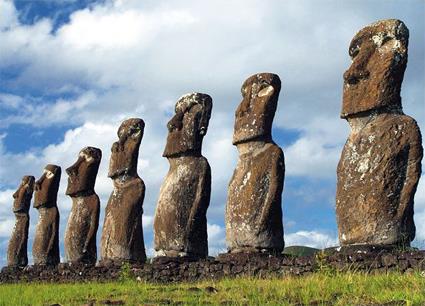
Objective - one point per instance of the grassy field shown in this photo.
(316, 289)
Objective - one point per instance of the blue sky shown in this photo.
(71, 71)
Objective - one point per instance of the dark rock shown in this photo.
(163, 260)
(17, 248)
(122, 235)
(176, 270)
(180, 224)
(45, 248)
(389, 260)
(210, 289)
(403, 265)
(194, 289)
(380, 164)
(111, 302)
(253, 210)
(83, 221)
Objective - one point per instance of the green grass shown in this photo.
(315, 289)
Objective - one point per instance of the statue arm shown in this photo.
(413, 172)
(277, 175)
(54, 232)
(203, 193)
(94, 224)
(24, 235)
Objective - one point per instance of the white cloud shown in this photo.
(420, 213)
(216, 239)
(310, 157)
(147, 221)
(39, 114)
(314, 239)
(6, 228)
(106, 28)
(8, 15)
(7, 220)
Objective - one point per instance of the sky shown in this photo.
(71, 71)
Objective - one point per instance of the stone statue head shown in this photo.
(126, 150)
(82, 174)
(22, 197)
(254, 115)
(379, 59)
(47, 186)
(189, 125)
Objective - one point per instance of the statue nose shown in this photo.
(37, 186)
(71, 171)
(176, 122)
(116, 146)
(352, 76)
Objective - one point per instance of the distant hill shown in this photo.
(300, 250)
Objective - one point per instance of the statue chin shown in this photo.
(244, 138)
(177, 146)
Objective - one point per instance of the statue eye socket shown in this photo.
(243, 91)
(135, 133)
(49, 174)
(263, 84)
(355, 51)
(355, 48)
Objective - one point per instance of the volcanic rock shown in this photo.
(380, 164)
(180, 223)
(253, 210)
(17, 249)
(83, 221)
(45, 248)
(122, 235)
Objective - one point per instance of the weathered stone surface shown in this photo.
(380, 164)
(253, 210)
(373, 81)
(83, 221)
(45, 250)
(17, 249)
(180, 223)
(122, 235)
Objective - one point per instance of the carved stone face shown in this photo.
(46, 187)
(82, 174)
(189, 125)
(379, 55)
(254, 116)
(22, 196)
(126, 150)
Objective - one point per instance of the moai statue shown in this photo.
(17, 249)
(122, 235)
(180, 223)
(253, 210)
(380, 164)
(83, 221)
(45, 249)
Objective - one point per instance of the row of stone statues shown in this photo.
(378, 173)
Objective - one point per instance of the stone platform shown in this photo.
(226, 265)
